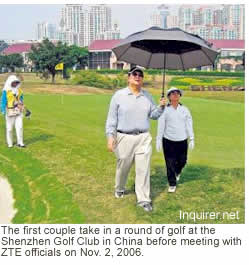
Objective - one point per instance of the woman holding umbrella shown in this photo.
(175, 127)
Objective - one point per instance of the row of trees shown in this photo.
(46, 55)
(10, 62)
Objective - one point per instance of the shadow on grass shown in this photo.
(39, 196)
(39, 138)
(192, 173)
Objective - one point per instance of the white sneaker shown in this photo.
(172, 189)
(119, 194)
(178, 177)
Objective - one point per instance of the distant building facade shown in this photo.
(102, 57)
(208, 21)
(231, 54)
(214, 22)
(23, 49)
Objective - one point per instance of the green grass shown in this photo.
(66, 174)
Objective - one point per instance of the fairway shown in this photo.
(66, 174)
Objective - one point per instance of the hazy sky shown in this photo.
(24, 17)
(18, 21)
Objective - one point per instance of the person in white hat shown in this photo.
(175, 135)
(12, 107)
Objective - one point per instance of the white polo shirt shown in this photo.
(129, 113)
(175, 124)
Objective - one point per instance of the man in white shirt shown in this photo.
(175, 127)
(127, 131)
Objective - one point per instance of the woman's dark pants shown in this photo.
(175, 155)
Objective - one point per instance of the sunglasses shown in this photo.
(175, 93)
(137, 74)
(15, 83)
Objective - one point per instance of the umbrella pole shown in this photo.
(164, 63)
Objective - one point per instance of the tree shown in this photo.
(11, 61)
(47, 55)
(3, 45)
(2, 62)
(77, 55)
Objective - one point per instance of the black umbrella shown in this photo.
(165, 49)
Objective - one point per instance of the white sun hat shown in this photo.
(172, 89)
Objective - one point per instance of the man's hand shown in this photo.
(191, 144)
(162, 102)
(111, 144)
(159, 146)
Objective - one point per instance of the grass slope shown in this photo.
(66, 174)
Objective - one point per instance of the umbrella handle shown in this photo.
(164, 66)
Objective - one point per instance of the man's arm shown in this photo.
(160, 131)
(111, 124)
(156, 111)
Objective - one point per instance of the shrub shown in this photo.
(94, 79)
(120, 81)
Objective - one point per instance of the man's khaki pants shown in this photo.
(129, 149)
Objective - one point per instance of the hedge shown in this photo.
(176, 72)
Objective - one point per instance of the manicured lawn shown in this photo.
(66, 175)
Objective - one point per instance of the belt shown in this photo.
(132, 133)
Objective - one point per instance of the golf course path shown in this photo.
(7, 211)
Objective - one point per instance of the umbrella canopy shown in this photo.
(165, 48)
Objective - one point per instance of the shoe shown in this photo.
(10, 146)
(172, 189)
(146, 206)
(119, 194)
(178, 177)
(21, 145)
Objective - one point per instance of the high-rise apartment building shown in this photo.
(81, 24)
(172, 21)
(102, 18)
(164, 13)
(185, 15)
(238, 16)
(70, 24)
(155, 20)
(161, 17)
(46, 31)
(208, 16)
(70, 15)
(227, 15)
(197, 17)
(218, 17)
(86, 35)
(113, 34)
